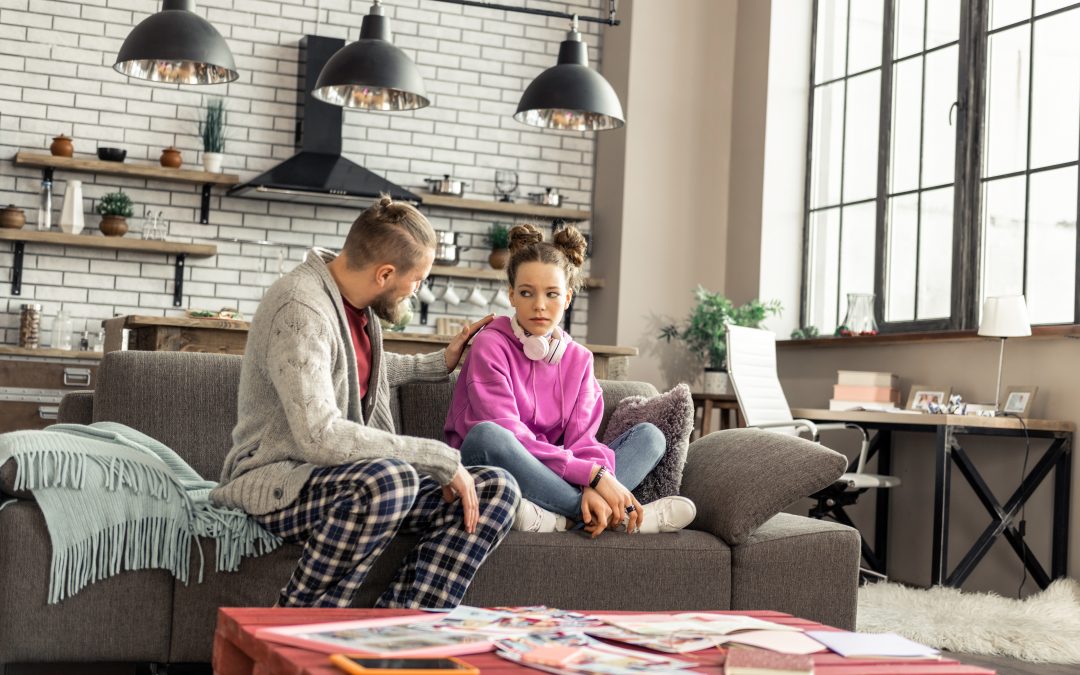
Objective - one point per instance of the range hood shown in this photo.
(318, 173)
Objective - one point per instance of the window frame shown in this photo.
(968, 180)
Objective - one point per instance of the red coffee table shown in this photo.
(238, 652)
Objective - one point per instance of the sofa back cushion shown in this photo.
(424, 405)
(186, 400)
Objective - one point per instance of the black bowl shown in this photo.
(111, 154)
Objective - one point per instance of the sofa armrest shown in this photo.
(742, 477)
(76, 407)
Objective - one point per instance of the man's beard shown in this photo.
(390, 309)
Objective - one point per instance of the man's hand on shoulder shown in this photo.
(456, 348)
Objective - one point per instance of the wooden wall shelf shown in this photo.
(481, 274)
(90, 164)
(19, 238)
(506, 208)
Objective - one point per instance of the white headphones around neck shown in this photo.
(540, 347)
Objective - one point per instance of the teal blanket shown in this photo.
(115, 499)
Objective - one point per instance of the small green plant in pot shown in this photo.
(212, 130)
(498, 238)
(705, 331)
(114, 208)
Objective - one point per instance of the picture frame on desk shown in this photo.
(923, 395)
(1018, 400)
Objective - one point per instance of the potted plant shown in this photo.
(212, 130)
(114, 209)
(498, 238)
(705, 332)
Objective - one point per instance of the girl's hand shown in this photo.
(621, 502)
(595, 512)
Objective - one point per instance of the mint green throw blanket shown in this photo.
(115, 499)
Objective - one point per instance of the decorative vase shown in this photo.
(212, 161)
(61, 146)
(71, 215)
(12, 218)
(113, 226)
(859, 319)
(498, 258)
(171, 158)
(717, 382)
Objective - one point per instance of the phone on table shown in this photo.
(366, 665)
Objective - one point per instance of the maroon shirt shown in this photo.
(358, 320)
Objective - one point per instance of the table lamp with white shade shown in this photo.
(1004, 317)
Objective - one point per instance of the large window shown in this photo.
(943, 162)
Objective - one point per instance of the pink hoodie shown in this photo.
(554, 410)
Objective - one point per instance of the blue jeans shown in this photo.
(487, 444)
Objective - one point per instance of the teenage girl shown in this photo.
(527, 401)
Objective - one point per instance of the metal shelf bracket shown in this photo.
(204, 208)
(178, 281)
(16, 269)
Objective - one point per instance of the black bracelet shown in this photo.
(596, 479)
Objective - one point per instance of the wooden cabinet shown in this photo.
(32, 382)
(224, 336)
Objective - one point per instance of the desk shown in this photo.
(727, 404)
(948, 453)
(238, 652)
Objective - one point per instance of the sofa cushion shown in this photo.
(122, 618)
(673, 414)
(805, 567)
(742, 477)
(186, 400)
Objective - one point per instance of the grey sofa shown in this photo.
(188, 401)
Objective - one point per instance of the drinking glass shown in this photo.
(506, 184)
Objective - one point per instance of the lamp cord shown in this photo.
(1023, 507)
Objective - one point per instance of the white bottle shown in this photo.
(71, 215)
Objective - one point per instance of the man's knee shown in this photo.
(389, 474)
(495, 484)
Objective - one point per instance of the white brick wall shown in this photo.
(56, 77)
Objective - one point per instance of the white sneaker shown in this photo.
(669, 514)
(531, 518)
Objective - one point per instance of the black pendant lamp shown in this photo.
(570, 95)
(371, 73)
(177, 46)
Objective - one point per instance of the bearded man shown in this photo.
(315, 458)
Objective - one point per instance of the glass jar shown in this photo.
(44, 214)
(61, 331)
(859, 319)
(30, 326)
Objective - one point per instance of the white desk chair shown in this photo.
(751, 362)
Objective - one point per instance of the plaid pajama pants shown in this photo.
(346, 516)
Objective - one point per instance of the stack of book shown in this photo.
(865, 390)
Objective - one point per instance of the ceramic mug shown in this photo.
(425, 295)
(450, 296)
(501, 299)
(477, 297)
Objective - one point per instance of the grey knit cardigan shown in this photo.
(299, 400)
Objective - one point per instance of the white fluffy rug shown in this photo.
(1042, 628)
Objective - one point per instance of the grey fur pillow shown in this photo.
(673, 414)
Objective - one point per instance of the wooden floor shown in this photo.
(1002, 665)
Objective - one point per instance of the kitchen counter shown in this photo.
(227, 336)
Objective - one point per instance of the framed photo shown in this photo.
(928, 398)
(1018, 400)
